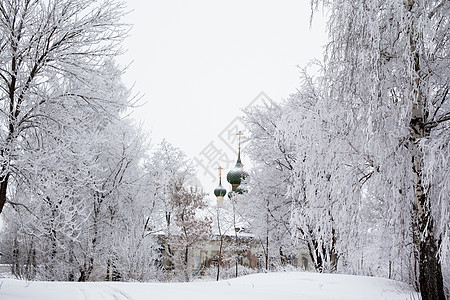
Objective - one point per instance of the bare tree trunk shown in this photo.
(267, 238)
(3, 188)
(108, 270)
(15, 268)
(334, 257)
(89, 264)
(267, 252)
(236, 252)
(86, 271)
(219, 259)
(430, 272)
(186, 258)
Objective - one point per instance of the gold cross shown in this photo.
(239, 134)
(220, 174)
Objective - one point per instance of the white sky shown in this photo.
(199, 62)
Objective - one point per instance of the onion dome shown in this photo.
(220, 191)
(237, 174)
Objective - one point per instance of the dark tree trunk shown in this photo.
(430, 271)
(219, 259)
(82, 277)
(283, 258)
(15, 268)
(86, 271)
(266, 257)
(89, 264)
(108, 270)
(3, 188)
(430, 277)
(334, 257)
(186, 260)
(115, 274)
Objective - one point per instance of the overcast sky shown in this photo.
(199, 62)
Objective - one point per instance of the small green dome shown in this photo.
(235, 174)
(220, 191)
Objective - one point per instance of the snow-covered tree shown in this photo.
(387, 66)
(81, 184)
(95, 217)
(221, 226)
(168, 172)
(43, 44)
(192, 227)
(266, 206)
(70, 165)
(127, 250)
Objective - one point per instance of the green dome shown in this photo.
(234, 176)
(220, 191)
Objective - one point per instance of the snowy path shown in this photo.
(280, 286)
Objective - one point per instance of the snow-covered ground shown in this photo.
(279, 286)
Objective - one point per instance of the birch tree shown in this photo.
(387, 67)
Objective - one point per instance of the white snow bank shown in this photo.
(280, 286)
